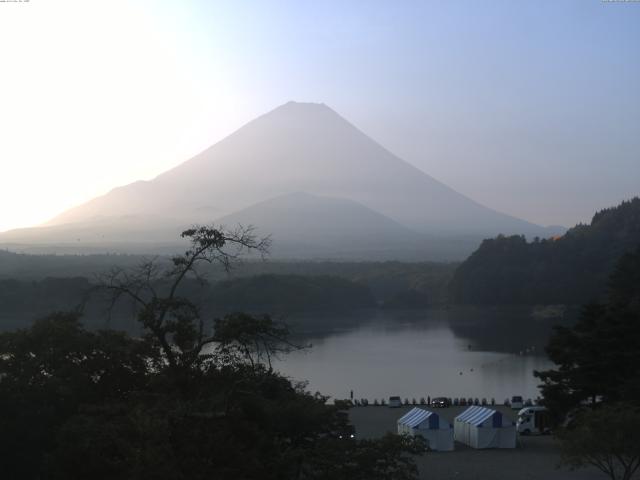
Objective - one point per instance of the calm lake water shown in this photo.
(454, 353)
(470, 352)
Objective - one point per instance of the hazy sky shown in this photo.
(530, 107)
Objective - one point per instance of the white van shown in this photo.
(533, 421)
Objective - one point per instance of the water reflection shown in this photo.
(454, 353)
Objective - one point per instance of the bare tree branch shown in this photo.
(175, 322)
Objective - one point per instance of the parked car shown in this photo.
(440, 402)
(395, 402)
(516, 402)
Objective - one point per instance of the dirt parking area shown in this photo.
(536, 457)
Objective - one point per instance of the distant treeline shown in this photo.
(23, 301)
(572, 269)
(22, 266)
(34, 285)
(289, 293)
(359, 286)
(384, 279)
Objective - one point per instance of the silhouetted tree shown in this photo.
(187, 400)
(599, 358)
(254, 339)
(48, 373)
(607, 438)
(172, 321)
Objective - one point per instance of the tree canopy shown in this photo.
(607, 439)
(598, 359)
(594, 392)
(571, 269)
(192, 398)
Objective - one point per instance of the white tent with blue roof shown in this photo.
(434, 429)
(481, 427)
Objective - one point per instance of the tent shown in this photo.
(437, 432)
(481, 427)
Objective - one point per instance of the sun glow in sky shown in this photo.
(98, 94)
(532, 109)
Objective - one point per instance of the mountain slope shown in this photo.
(308, 148)
(298, 147)
(123, 234)
(570, 269)
(303, 225)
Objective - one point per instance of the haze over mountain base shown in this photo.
(302, 173)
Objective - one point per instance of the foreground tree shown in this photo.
(388, 457)
(172, 321)
(598, 360)
(52, 370)
(594, 393)
(190, 399)
(253, 339)
(68, 394)
(607, 438)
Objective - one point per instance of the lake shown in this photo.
(459, 352)
(456, 352)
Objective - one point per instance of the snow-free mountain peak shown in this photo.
(300, 147)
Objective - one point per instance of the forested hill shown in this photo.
(571, 269)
